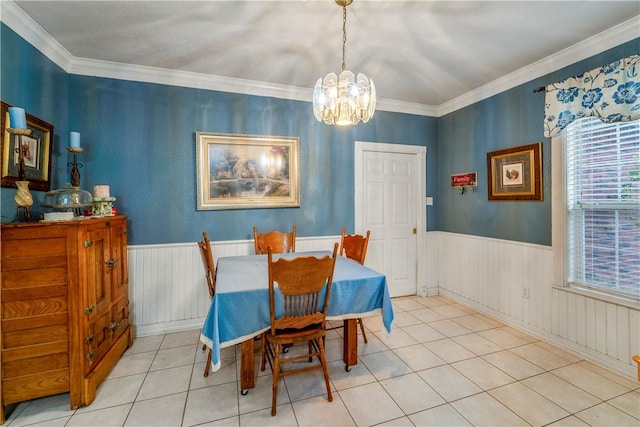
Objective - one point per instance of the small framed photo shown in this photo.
(247, 171)
(515, 173)
(37, 149)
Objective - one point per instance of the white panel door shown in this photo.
(388, 210)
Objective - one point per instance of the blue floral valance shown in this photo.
(611, 92)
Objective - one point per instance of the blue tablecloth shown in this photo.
(240, 307)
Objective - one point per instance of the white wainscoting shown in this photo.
(513, 282)
(167, 288)
(505, 279)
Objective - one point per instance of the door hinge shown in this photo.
(90, 355)
(89, 340)
(415, 230)
(89, 310)
(111, 263)
(88, 243)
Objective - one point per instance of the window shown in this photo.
(602, 179)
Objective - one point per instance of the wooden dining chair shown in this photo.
(210, 276)
(278, 241)
(354, 246)
(299, 284)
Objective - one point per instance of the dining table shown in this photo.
(239, 309)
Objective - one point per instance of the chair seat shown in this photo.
(291, 336)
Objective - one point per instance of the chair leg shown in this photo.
(263, 351)
(276, 375)
(364, 334)
(325, 371)
(208, 365)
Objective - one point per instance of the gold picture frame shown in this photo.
(515, 173)
(247, 171)
(39, 146)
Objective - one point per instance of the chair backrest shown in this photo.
(207, 262)
(354, 246)
(278, 241)
(301, 282)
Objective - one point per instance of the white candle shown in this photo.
(17, 118)
(101, 191)
(74, 139)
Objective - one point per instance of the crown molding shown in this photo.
(614, 36)
(116, 70)
(34, 34)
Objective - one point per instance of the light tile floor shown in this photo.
(444, 364)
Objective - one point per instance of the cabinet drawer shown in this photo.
(35, 365)
(32, 336)
(28, 248)
(21, 279)
(32, 386)
(34, 307)
(33, 262)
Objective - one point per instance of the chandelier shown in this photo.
(344, 100)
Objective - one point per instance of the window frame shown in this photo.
(560, 246)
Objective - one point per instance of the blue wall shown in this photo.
(31, 81)
(511, 118)
(139, 138)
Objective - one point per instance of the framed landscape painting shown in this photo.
(247, 171)
(515, 173)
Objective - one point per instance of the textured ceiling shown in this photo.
(423, 52)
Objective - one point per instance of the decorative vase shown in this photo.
(23, 197)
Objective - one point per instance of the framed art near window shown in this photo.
(515, 173)
(247, 171)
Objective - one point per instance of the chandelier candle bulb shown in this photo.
(17, 118)
(74, 139)
(101, 191)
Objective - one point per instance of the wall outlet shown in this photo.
(429, 201)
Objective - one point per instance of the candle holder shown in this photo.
(75, 166)
(23, 198)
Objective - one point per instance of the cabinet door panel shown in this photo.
(98, 290)
(119, 317)
(97, 341)
(119, 272)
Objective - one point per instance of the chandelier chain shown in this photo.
(344, 35)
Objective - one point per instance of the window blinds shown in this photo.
(602, 179)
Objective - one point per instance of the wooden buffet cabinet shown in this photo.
(64, 307)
